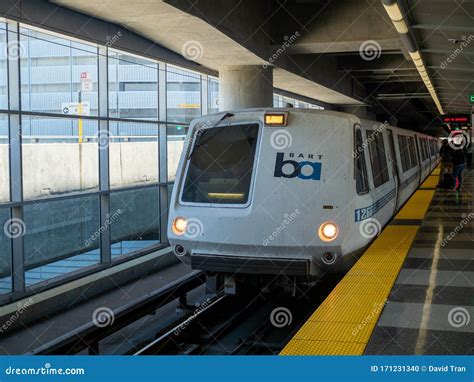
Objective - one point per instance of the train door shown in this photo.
(395, 171)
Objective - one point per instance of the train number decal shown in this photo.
(367, 212)
(364, 213)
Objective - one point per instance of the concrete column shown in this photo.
(245, 87)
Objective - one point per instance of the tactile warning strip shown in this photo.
(343, 323)
(430, 182)
(416, 206)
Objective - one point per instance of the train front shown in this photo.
(255, 193)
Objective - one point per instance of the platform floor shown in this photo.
(49, 328)
(412, 292)
(430, 309)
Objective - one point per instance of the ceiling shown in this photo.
(174, 29)
(347, 52)
(444, 31)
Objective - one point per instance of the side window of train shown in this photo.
(404, 153)
(420, 147)
(423, 148)
(412, 150)
(378, 160)
(360, 168)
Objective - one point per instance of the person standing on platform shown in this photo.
(459, 160)
(445, 152)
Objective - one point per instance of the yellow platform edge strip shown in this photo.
(416, 206)
(344, 322)
(430, 182)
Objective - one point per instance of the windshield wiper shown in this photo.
(198, 144)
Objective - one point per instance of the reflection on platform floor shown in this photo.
(430, 309)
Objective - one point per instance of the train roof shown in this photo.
(288, 109)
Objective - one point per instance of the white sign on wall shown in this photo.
(86, 82)
(73, 108)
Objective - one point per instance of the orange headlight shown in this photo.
(328, 231)
(179, 226)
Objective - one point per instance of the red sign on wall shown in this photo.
(457, 119)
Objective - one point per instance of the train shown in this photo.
(290, 194)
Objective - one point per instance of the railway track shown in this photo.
(249, 323)
(244, 324)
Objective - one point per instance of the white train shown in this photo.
(290, 192)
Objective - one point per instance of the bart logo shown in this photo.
(297, 168)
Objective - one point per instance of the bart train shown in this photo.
(290, 192)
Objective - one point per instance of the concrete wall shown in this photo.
(59, 229)
(55, 168)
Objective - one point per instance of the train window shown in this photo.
(378, 161)
(362, 181)
(412, 151)
(423, 149)
(404, 153)
(220, 165)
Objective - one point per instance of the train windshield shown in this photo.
(221, 164)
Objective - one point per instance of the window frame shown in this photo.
(361, 175)
(190, 149)
(377, 156)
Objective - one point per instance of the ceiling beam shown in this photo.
(451, 28)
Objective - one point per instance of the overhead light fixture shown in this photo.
(396, 16)
(394, 12)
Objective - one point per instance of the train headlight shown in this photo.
(179, 226)
(328, 231)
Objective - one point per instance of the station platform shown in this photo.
(411, 292)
